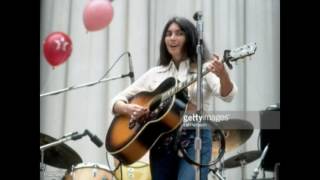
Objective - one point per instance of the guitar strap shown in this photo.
(176, 144)
(183, 96)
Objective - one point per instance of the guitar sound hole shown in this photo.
(155, 105)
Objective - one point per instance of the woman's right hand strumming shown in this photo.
(133, 110)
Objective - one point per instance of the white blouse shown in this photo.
(150, 80)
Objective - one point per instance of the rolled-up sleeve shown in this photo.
(232, 93)
(139, 85)
(214, 83)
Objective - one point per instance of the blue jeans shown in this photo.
(165, 163)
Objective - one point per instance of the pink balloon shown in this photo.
(97, 14)
(57, 48)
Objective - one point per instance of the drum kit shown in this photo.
(236, 133)
(89, 171)
(64, 157)
(61, 156)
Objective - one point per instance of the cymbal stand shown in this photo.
(42, 166)
(217, 173)
(256, 170)
(243, 173)
(221, 170)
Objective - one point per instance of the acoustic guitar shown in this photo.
(128, 141)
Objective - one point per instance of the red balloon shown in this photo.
(57, 48)
(97, 14)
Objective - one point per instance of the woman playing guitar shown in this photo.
(148, 112)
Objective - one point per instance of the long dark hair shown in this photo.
(190, 46)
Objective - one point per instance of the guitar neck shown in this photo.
(183, 85)
(229, 56)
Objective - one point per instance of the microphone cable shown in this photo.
(114, 63)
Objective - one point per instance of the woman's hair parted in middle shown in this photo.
(190, 46)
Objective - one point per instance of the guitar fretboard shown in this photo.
(183, 84)
(232, 55)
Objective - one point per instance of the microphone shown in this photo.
(131, 73)
(198, 17)
(93, 138)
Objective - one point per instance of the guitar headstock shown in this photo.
(238, 53)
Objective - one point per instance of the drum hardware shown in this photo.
(57, 153)
(256, 170)
(241, 160)
(236, 132)
(226, 136)
(243, 172)
(277, 171)
(60, 155)
(217, 172)
(89, 171)
(42, 166)
(94, 172)
(138, 170)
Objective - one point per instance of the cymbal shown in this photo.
(236, 132)
(60, 156)
(246, 157)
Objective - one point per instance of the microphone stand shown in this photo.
(66, 137)
(197, 140)
(130, 74)
(86, 132)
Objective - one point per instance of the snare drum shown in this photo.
(89, 171)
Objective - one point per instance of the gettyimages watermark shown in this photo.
(232, 120)
(193, 120)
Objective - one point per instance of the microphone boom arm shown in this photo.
(85, 85)
(102, 79)
(59, 141)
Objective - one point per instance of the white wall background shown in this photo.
(136, 27)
